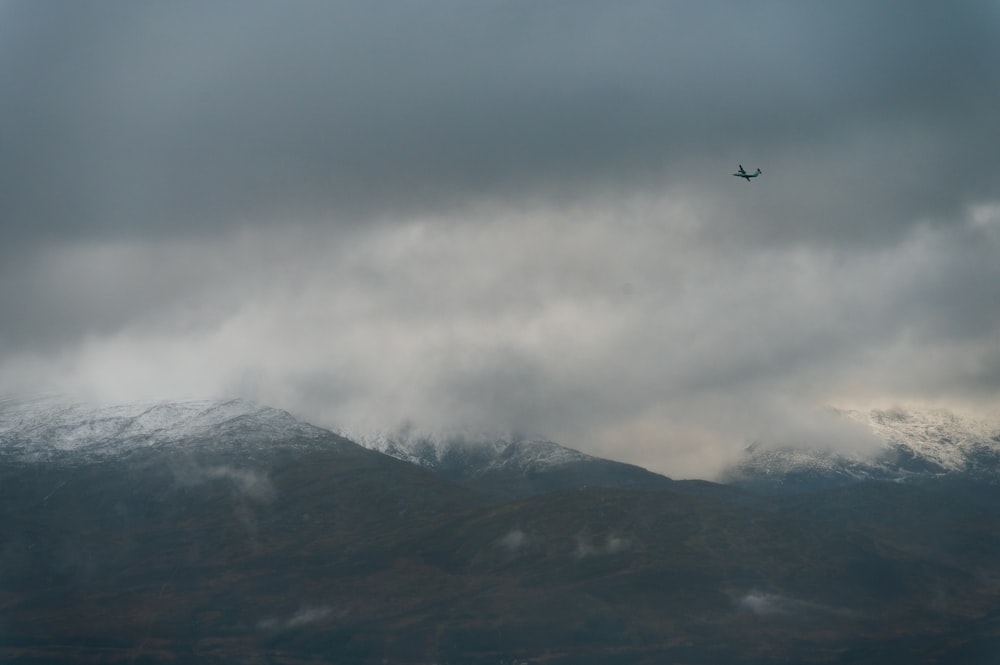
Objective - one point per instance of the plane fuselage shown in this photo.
(746, 176)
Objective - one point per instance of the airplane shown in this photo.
(744, 174)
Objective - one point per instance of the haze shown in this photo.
(507, 216)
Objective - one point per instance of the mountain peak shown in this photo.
(508, 465)
(47, 427)
(915, 443)
(446, 450)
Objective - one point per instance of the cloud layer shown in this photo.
(507, 215)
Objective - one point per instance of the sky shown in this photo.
(508, 216)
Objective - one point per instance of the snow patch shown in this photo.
(483, 451)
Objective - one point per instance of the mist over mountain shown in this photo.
(230, 532)
(915, 445)
(510, 466)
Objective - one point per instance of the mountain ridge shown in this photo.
(165, 546)
(46, 428)
(510, 466)
(914, 445)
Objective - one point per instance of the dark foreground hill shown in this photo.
(345, 556)
(315, 550)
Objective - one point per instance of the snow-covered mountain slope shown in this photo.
(509, 465)
(938, 438)
(914, 444)
(479, 454)
(51, 428)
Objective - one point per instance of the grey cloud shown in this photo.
(152, 120)
(62, 293)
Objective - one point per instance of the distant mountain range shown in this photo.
(226, 532)
(915, 445)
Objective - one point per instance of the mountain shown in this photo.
(224, 532)
(161, 532)
(914, 446)
(48, 428)
(511, 466)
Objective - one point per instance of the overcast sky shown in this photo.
(507, 216)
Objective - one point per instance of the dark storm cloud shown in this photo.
(162, 118)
